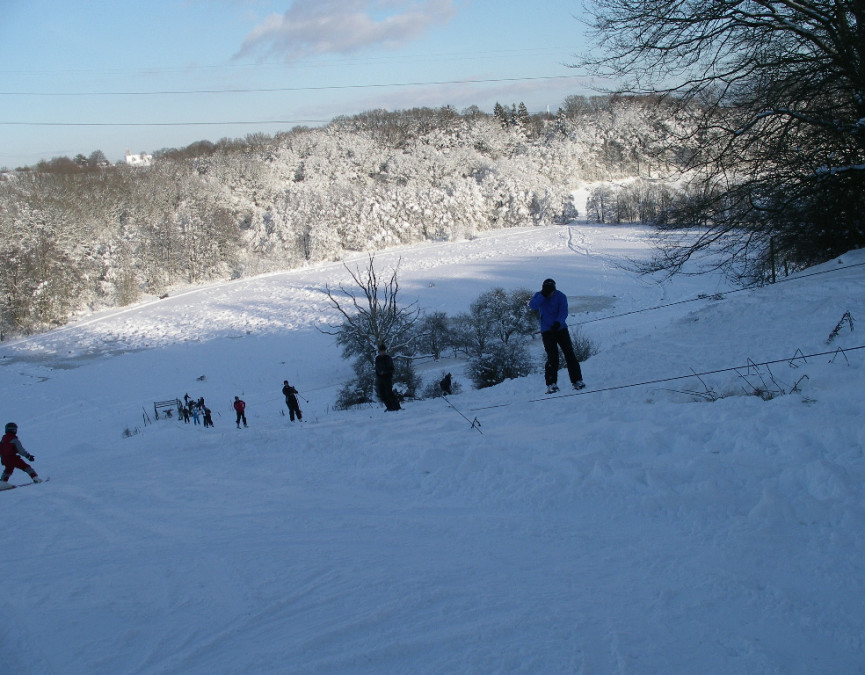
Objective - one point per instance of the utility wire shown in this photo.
(185, 92)
(269, 90)
(157, 124)
(312, 63)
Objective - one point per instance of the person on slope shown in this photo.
(552, 307)
(11, 452)
(240, 409)
(446, 385)
(384, 379)
(290, 394)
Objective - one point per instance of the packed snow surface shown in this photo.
(700, 507)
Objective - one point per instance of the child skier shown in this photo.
(11, 452)
(240, 408)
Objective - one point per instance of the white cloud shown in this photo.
(312, 27)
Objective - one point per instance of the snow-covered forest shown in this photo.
(79, 238)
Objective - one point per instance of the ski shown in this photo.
(12, 486)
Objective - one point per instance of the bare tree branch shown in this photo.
(371, 314)
(771, 94)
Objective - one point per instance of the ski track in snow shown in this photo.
(622, 531)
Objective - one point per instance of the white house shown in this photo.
(138, 160)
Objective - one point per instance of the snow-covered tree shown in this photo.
(363, 183)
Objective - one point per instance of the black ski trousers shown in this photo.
(384, 385)
(293, 408)
(553, 339)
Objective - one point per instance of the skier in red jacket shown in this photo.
(11, 452)
(240, 408)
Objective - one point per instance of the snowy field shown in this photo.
(657, 522)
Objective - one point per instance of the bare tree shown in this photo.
(373, 315)
(773, 92)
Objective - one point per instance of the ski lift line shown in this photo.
(647, 309)
(750, 364)
(814, 274)
(709, 297)
(475, 422)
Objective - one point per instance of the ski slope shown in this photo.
(659, 521)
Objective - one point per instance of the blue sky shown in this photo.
(114, 75)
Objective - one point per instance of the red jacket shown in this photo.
(239, 405)
(10, 448)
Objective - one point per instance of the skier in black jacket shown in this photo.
(445, 385)
(290, 394)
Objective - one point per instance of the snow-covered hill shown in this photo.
(652, 523)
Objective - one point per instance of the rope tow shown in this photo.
(797, 357)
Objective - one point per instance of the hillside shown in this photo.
(88, 238)
(655, 522)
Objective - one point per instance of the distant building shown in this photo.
(138, 160)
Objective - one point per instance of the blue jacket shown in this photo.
(551, 309)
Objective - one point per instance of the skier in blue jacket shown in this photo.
(552, 307)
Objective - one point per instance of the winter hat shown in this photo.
(11, 428)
